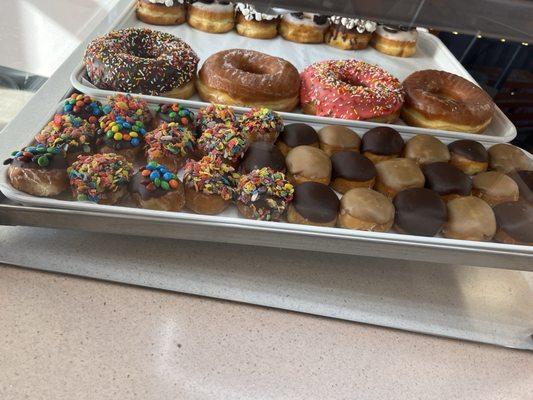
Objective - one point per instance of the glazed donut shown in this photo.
(249, 78)
(398, 174)
(38, 170)
(440, 100)
(142, 61)
(397, 41)
(170, 145)
(161, 12)
(122, 136)
(303, 27)
(254, 24)
(167, 113)
(313, 204)
(426, 149)
(350, 89)
(469, 218)
(334, 138)
(261, 125)
(214, 16)
(307, 163)
(495, 188)
(223, 141)
(294, 135)
(349, 33)
(365, 209)
(507, 158)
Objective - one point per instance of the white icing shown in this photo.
(360, 25)
(402, 36)
(306, 20)
(249, 13)
(168, 3)
(215, 7)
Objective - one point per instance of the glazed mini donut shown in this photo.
(303, 27)
(176, 113)
(263, 194)
(294, 135)
(469, 218)
(137, 60)
(260, 155)
(366, 210)
(156, 188)
(419, 211)
(214, 16)
(161, 12)
(426, 149)
(209, 185)
(249, 78)
(469, 156)
(506, 158)
(524, 180)
(334, 138)
(128, 107)
(382, 143)
(441, 100)
(100, 178)
(350, 89)
(397, 41)
(398, 174)
(514, 221)
(73, 135)
(494, 187)
(349, 33)
(38, 170)
(351, 170)
(83, 106)
(307, 163)
(446, 180)
(261, 125)
(123, 136)
(313, 204)
(214, 114)
(225, 142)
(170, 145)
(254, 24)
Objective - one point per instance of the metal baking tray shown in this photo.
(431, 54)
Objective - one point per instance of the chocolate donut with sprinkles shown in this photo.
(142, 61)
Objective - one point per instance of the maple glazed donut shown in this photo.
(440, 100)
(142, 61)
(249, 78)
(350, 89)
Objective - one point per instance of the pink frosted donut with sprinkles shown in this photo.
(350, 89)
(143, 61)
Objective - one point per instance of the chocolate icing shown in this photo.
(445, 179)
(352, 166)
(470, 150)
(382, 140)
(262, 154)
(420, 211)
(524, 180)
(316, 202)
(138, 185)
(298, 134)
(516, 219)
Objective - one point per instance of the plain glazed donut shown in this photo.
(350, 89)
(440, 100)
(249, 78)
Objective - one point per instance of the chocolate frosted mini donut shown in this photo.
(351, 170)
(313, 204)
(469, 156)
(398, 174)
(426, 149)
(524, 180)
(449, 182)
(260, 155)
(307, 163)
(365, 209)
(506, 158)
(294, 135)
(494, 187)
(381, 143)
(335, 138)
(419, 211)
(469, 218)
(515, 222)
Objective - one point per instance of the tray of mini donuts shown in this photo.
(324, 69)
(124, 155)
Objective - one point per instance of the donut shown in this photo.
(334, 138)
(166, 113)
(350, 89)
(398, 174)
(121, 135)
(313, 204)
(100, 178)
(426, 149)
(495, 188)
(251, 23)
(82, 106)
(294, 135)
(446, 180)
(261, 125)
(351, 170)
(156, 188)
(303, 27)
(214, 114)
(366, 210)
(382, 143)
(260, 155)
(469, 156)
(170, 145)
(524, 180)
(73, 135)
(225, 142)
(161, 12)
(349, 33)
(419, 211)
(38, 170)
(307, 163)
(137, 60)
(441, 100)
(506, 158)
(209, 185)
(249, 78)
(469, 218)
(397, 41)
(212, 16)
(263, 194)
(127, 106)
(514, 221)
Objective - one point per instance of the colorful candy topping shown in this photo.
(223, 141)
(170, 140)
(212, 115)
(126, 106)
(176, 113)
(157, 176)
(68, 132)
(83, 106)
(40, 155)
(266, 192)
(120, 131)
(93, 176)
(211, 175)
(261, 124)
